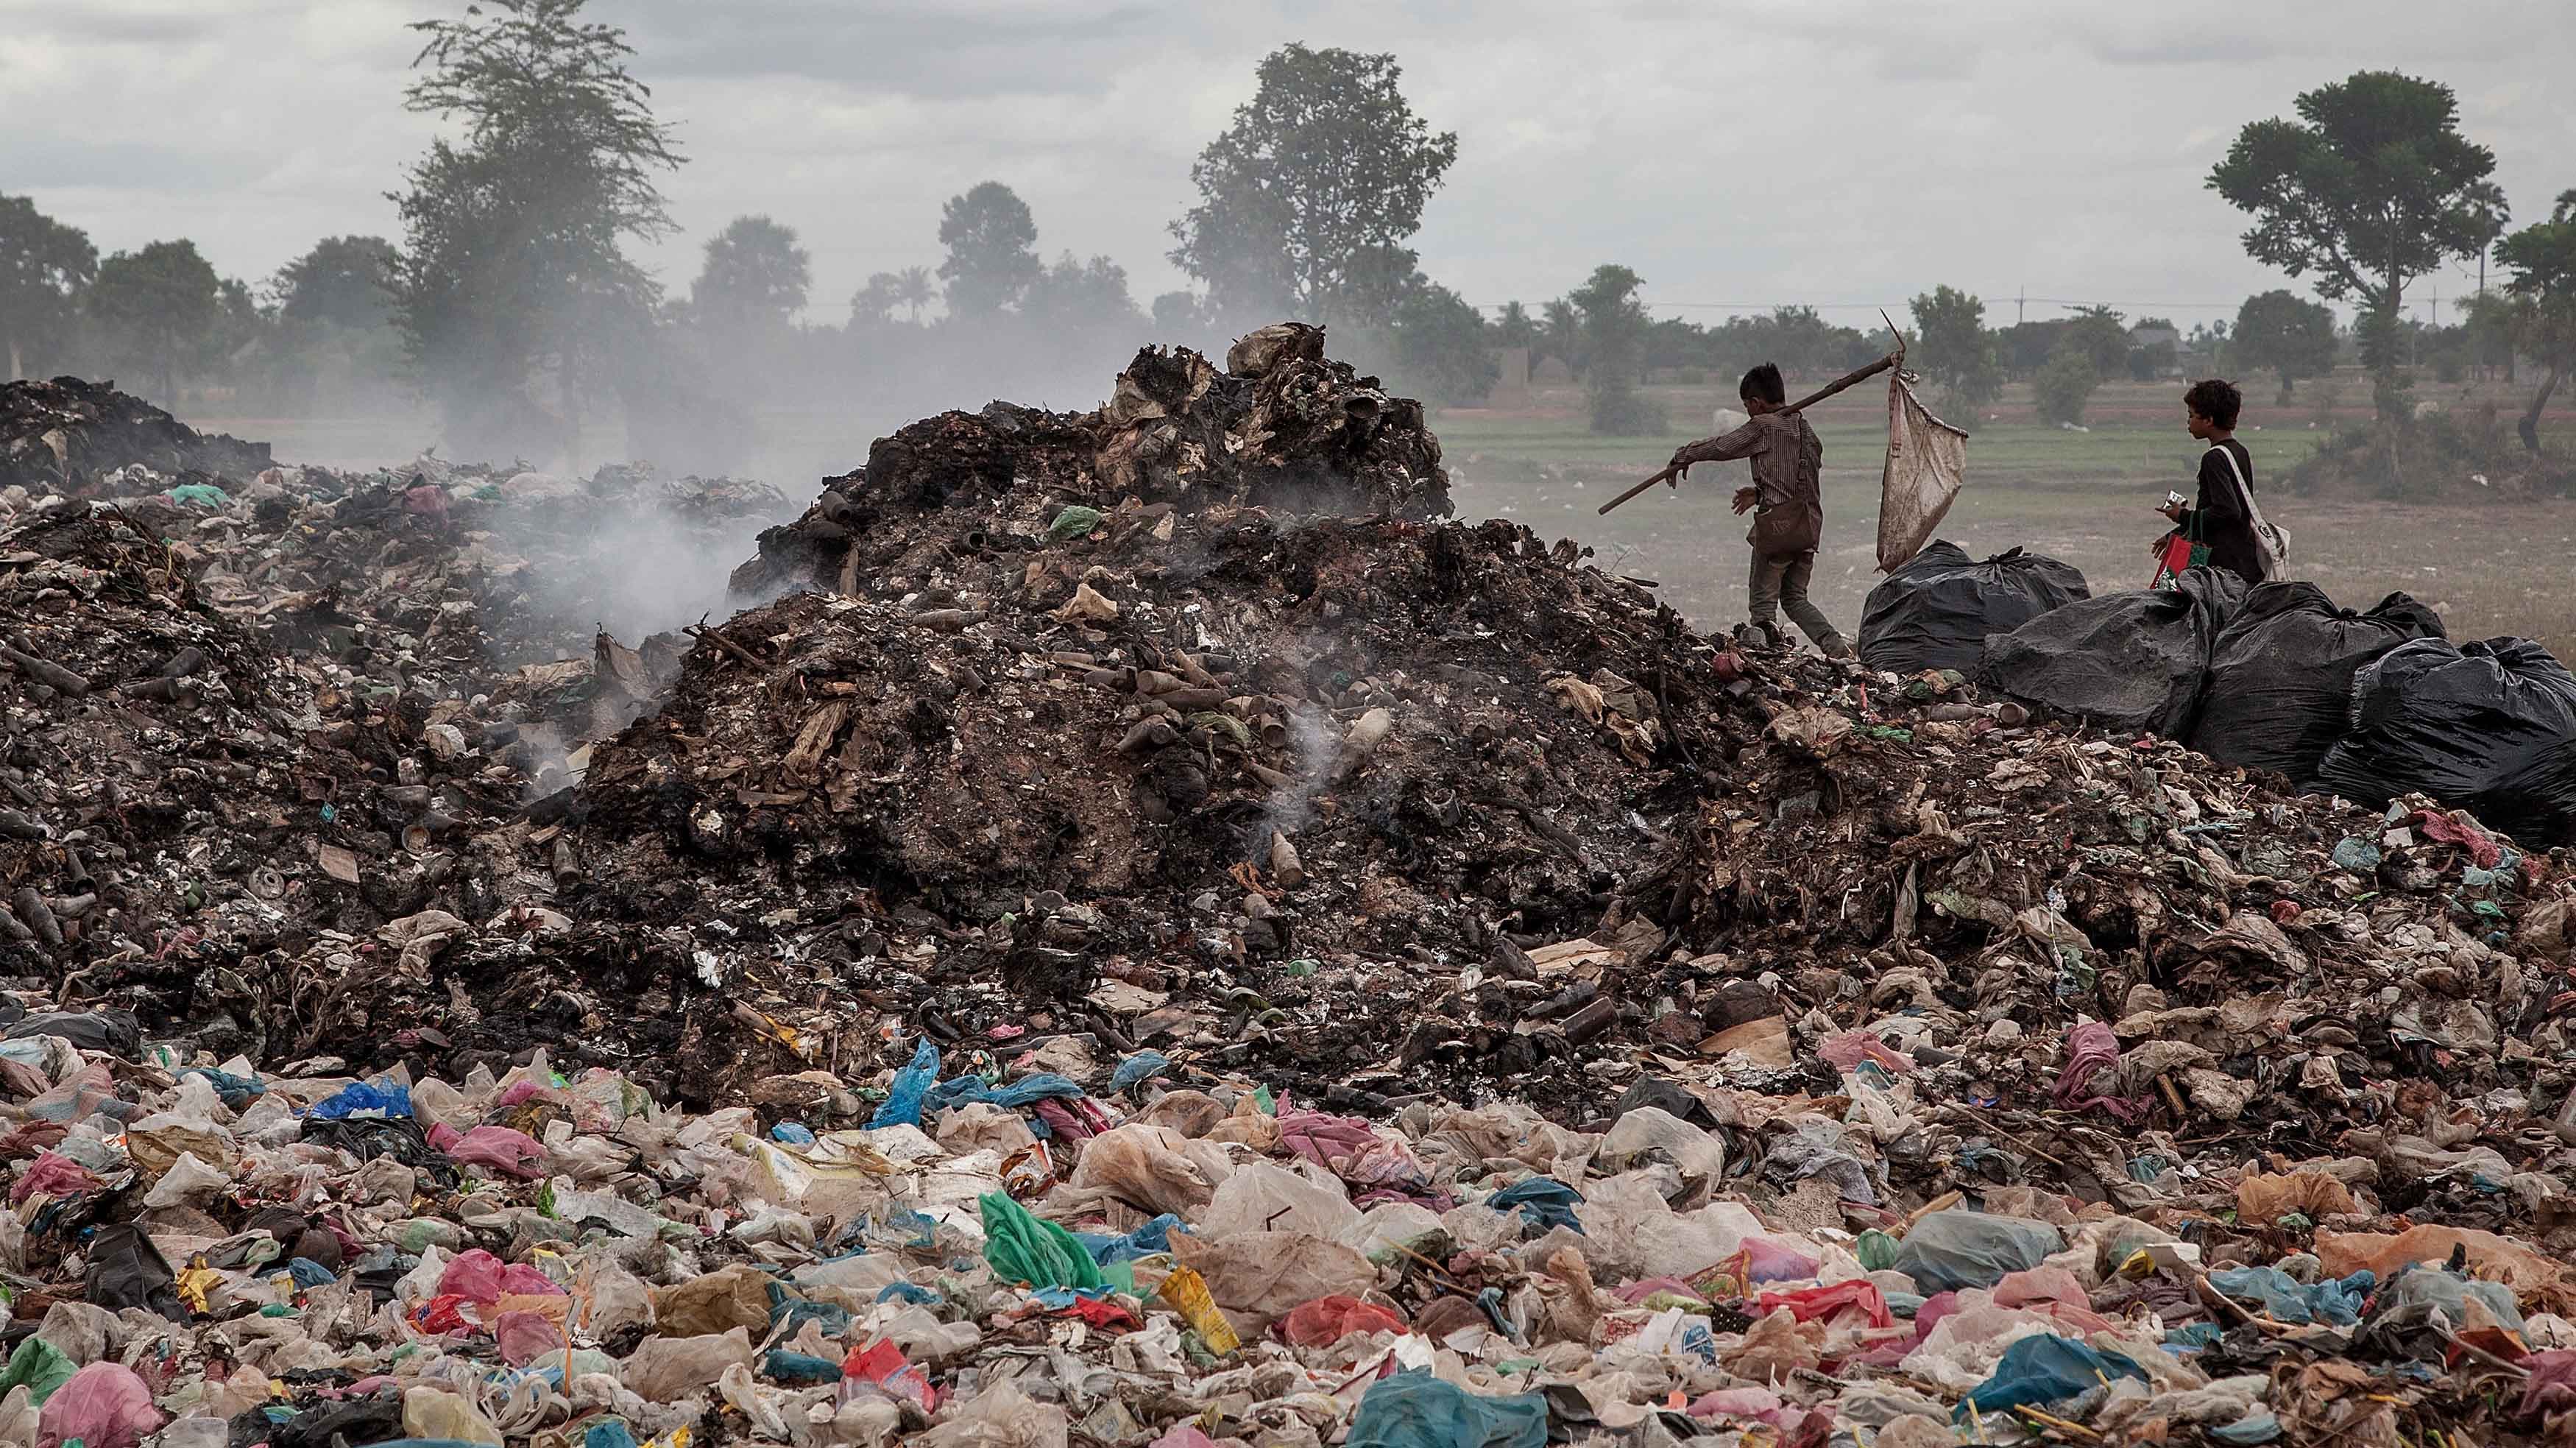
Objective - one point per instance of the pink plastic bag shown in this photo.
(511, 1153)
(103, 1405)
(525, 1337)
(475, 1276)
(54, 1175)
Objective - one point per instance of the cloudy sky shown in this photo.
(1840, 154)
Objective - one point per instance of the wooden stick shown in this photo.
(1850, 379)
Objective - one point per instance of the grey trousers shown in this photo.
(1780, 582)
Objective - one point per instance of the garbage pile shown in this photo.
(65, 434)
(2373, 706)
(1096, 951)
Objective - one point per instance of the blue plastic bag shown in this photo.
(383, 1096)
(910, 1085)
(2335, 1303)
(1153, 1237)
(1138, 1069)
(2037, 1371)
(1950, 1250)
(1543, 1202)
(1417, 1410)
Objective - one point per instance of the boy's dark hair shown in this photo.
(2216, 400)
(1764, 382)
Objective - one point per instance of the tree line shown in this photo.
(510, 301)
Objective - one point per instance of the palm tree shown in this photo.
(914, 290)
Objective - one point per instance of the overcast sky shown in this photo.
(1839, 154)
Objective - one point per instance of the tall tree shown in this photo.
(1515, 327)
(2542, 257)
(914, 290)
(158, 308)
(992, 250)
(1614, 342)
(43, 266)
(513, 273)
(873, 305)
(1561, 333)
(1307, 199)
(1444, 346)
(344, 280)
(2285, 334)
(753, 281)
(2103, 338)
(2370, 188)
(1954, 349)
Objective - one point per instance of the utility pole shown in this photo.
(2022, 297)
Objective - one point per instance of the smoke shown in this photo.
(1291, 805)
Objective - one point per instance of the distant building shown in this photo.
(1511, 378)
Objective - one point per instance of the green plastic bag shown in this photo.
(1020, 1248)
(1075, 521)
(40, 1365)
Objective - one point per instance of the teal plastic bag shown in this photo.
(1417, 1410)
(1950, 1250)
(1020, 1248)
(2046, 1369)
(910, 1086)
(40, 1365)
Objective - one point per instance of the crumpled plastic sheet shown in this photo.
(2044, 1369)
(2091, 1048)
(2336, 1301)
(1417, 1410)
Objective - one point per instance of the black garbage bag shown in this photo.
(116, 1032)
(2280, 676)
(2483, 726)
(126, 1270)
(1936, 611)
(2125, 661)
(369, 1137)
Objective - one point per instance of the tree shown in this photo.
(1444, 346)
(2065, 382)
(1515, 327)
(43, 266)
(992, 256)
(2372, 187)
(914, 290)
(158, 308)
(1561, 333)
(2542, 257)
(1307, 199)
(754, 279)
(2285, 334)
(513, 273)
(1955, 350)
(2102, 337)
(344, 280)
(1614, 334)
(1082, 297)
(873, 305)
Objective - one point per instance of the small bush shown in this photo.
(2063, 385)
(1692, 377)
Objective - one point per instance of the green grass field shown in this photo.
(2086, 497)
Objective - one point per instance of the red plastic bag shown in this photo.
(1327, 1320)
(1811, 1303)
(474, 1276)
(511, 1153)
(103, 1405)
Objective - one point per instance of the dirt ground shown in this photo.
(2087, 497)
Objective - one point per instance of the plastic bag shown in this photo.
(1021, 1248)
(1257, 1277)
(103, 1405)
(2043, 1369)
(1327, 1320)
(737, 1297)
(2284, 1298)
(1648, 1131)
(905, 1093)
(1954, 1249)
(2493, 1258)
(1417, 1410)
(2474, 726)
(500, 1149)
(2280, 675)
(383, 1096)
(2125, 661)
(1000, 1417)
(665, 1369)
(1151, 1167)
(40, 1367)
(444, 1416)
(1265, 1197)
(1936, 611)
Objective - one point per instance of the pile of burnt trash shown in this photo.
(68, 433)
(1104, 945)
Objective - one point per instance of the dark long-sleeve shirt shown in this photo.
(2222, 521)
(1787, 459)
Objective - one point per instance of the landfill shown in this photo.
(1135, 928)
